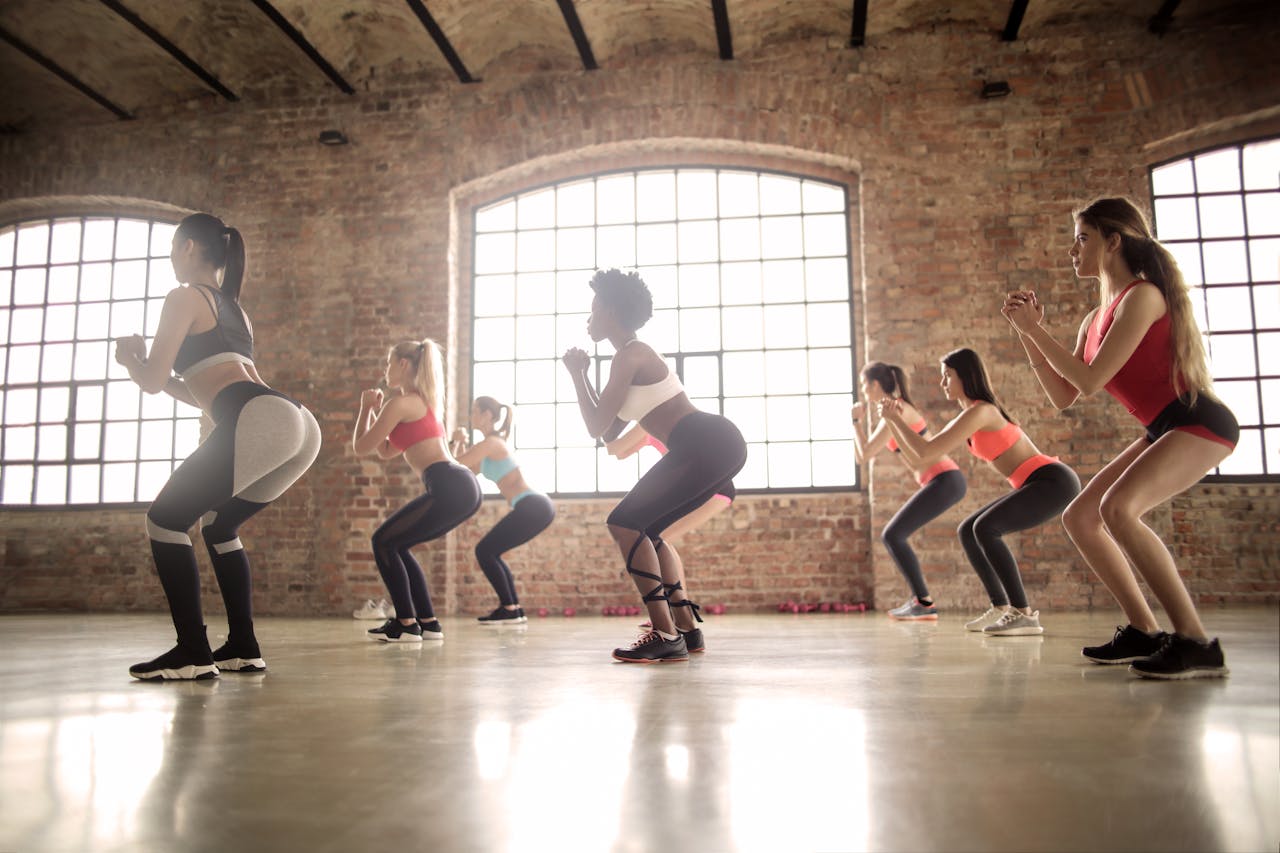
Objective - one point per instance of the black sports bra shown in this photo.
(229, 340)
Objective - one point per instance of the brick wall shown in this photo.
(960, 199)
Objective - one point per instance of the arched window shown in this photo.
(75, 429)
(750, 274)
(1218, 212)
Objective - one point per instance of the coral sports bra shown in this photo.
(988, 444)
(918, 427)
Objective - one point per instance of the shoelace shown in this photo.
(646, 638)
(1009, 616)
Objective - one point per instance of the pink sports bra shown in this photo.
(988, 444)
(408, 433)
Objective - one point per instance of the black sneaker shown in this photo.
(177, 664)
(239, 657)
(392, 631)
(1182, 657)
(503, 616)
(652, 647)
(693, 640)
(431, 630)
(1128, 645)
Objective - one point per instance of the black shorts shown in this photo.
(1208, 418)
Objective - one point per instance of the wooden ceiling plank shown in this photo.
(301, 41)
(66, 76)
(171, 48)
(442, 41)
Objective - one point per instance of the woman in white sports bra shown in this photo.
(704, 451)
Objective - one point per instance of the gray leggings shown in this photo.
(932, 500)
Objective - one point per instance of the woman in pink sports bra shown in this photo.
(1143, 346)
(1042, 486)
(942, 486)
(408, 423)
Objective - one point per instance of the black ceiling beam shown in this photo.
(442, 41)
(301, 41)
(720, 10)
(170, 48)
(66, 76)
(579, 34)
(1016, 11)
(858, 35)
(1160, 21)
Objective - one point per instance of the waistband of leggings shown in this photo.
(939, 467)
(1029, 467)
(230, 400)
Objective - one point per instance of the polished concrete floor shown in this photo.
(793, 733)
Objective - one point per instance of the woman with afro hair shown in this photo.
(704, 451)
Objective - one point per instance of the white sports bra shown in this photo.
(643, 399)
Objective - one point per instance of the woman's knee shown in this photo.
(1116, 511)
(623, 535)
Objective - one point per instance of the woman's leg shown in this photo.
(930, 501)
(529, 517)
(1042, 497)
(1083, 522)
(1172, 465)
(978, 560)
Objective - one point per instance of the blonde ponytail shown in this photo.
(501, 428)
(428, 367)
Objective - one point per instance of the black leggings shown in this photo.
(261, 444)
(933, 499)
(1044, 495)
(531, 515)
(452, 496)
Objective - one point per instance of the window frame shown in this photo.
(851, 198)
(149, 302)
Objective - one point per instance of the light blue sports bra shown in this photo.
(495, 469)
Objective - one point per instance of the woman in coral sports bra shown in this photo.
(408, 423)
(942, 486)
(1142, 345)
(1042, 486)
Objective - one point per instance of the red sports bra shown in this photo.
(408, 433)
(1142, 384)
(987, 444)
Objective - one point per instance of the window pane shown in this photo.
(739, 194)
(662, 332)
(787, 418)
(536, 210)
(755, 473)
(1231, 355)
(1221, 216)
(1241, 398)
(819, 198)
(696, 194)
(784, 326)
(157, 406)
(24, 363)
(20, 444)
(1225, 263)
(33, 244)
(162, 238)
(829, 418)
(827, 279)
(535, 382)
(535, 250)
(1261, 166)
(495, 339)
(616, 199)
(1262, 210)
(1218, 172)
(576, 248)
(121, 441)
(157, 439)
(1229, 308)
(739, 239)
(779, 194)
(741, 284)
(1188, 257)
(60, 323)
(655, 196)
(88, 443)
(698, 241)
(495, 295)
(782, 237)
(702, 376)
(95, 282)
(495, 253)
(743, 328)
(790, 465)
(576, 469)
(571, 331)
(828, 324)
(160, 278)
(535, 293)
(53, 443)
(118, 481)
(55, 404)
(99, 240)
(51, 484)
(830, 371)
(576, 204)
(129, 280)
(742, 373)
(7, 240)
(84, 484)
(18, 480)
(124, 400)
(126, 318)
(656, 244)
(662, 282)
(747, 414)
(1174, 179)
(1266, 306)
(825, 235)
(28, 286)
(26, 325)
(785, 372)
(783, 281)
(616, 246)
(1176, 219)
(498, 217)
(1269, 353)
(89, 403)
(699, 285)
(700, 329)
(833, 463)
(1247, 457)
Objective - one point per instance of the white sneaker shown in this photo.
(992, 616)
(370, 610)
(1015, 623)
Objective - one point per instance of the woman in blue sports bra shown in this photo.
(531, 512)
(704, 451)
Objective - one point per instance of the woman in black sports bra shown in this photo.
(261, 443)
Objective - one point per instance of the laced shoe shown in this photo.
(992, 616)
(914, 611)
(178, 664)
(239, 657)
(1180, 658)
(371, 610)
(1128, 645)
(1014, 623)
(431, 630)
(652, 647)
(392, 631)
(503, 616)
(693, 640)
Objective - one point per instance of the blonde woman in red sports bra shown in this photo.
(1042, 486)
(1142, 345)
(408, 423)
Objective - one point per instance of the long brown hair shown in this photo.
(890, 377)
(973, 378)
(428, 367)
(1189, 363)
(221, 245)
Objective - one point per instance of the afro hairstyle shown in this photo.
(626, 294)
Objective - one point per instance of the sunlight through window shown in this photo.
(750, 276)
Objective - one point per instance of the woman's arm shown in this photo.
(1060, 392)
(628, 443)
(923, 452)
(600, 412)
(868, 447)
(152, 371)
(372, 430)
(1139, 308)
(473, 456)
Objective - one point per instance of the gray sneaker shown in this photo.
(914, 611)
(1015, 623)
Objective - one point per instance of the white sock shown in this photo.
(667, 636)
